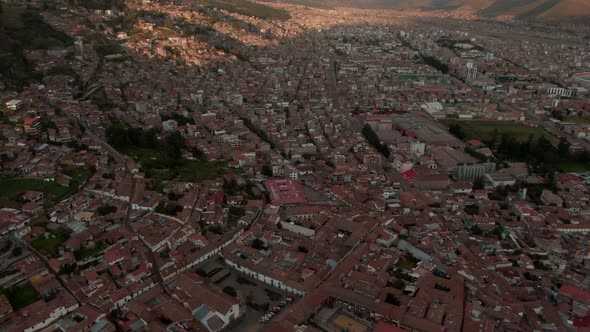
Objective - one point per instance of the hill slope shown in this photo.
(542, 10)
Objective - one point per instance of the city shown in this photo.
(241, 165)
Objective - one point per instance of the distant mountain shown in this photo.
(538, 10)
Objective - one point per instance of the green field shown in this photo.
(90, 252)
(199, 171)
(578, 120)
(50, 245)
(484, 130)
(573, 166)
(12, 187)
(21, 296)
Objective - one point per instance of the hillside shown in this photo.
(538, 10)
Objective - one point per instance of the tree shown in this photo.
(478, 184)
(457, 130)
(267, 170)
(563, 148)
(392, 299)
(106, 210)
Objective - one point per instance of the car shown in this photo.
(290, 299)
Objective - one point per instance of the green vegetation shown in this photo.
(472, 209)
(258, 244)
(407, 262)
(106, 210)
(79, 175)
(578, 119)
(451, 43)
(261, 133)
(229, 290)
(495, 233)
(15, 39)
(488, 131)
(399, 284)
(13, 188)
(220, 280)
(21, 296)
(65, 70)
(161, 160)
(249, 8)
(257, 306)
(49, 245)
(6, 246)
(539, 265)
(199, 170)
(574, 166)
(90, 252)
(374, 140)
(436, 64)
(515, 142)
(235, 213)
(243, 281)
(102, 4)
(272, 295)
(170, 209)
(7, 273)
(392, 299)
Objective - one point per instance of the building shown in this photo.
(215, 310)
(471, 71)
(461, 165)
(14, 104)
(497, 179)
(32, 126)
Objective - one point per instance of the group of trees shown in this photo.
(250, 8)
(435, 63)
(538, 151)
(374, 140)
(163, 154)
(27, 32)
(542, 155)
(258, 132)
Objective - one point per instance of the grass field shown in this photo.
(483, 130)
(85, 253)
(578, 120)
(50, 245)
(21, 296)
(12, 187)
(198, 171)
(573, 166)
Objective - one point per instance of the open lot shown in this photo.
(256, 296)
(484, 130)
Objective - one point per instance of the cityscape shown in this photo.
(302, 165)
